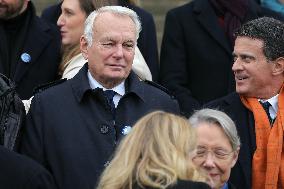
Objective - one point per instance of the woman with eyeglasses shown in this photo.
(156, 154)
(218, 146)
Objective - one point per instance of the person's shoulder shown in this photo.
(20, 171)
(181, 14)
(37, 22)
(52, 13)
(11, 161)
(230, 100)
(52, 8)
(50, 87)
(182, 9)
(190, 184)
(45, 25)
(159, 89)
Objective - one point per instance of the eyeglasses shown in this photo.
(219, 155)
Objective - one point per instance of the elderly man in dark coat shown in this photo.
(74, 127)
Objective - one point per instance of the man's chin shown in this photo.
(116, 78)
(241, 91)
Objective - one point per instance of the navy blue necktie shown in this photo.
(266, 106)
(109, 95)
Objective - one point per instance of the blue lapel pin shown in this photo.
(26, 58)
(126, 130)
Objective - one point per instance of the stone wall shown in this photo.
(157, 7)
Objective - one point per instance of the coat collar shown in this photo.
(207, 18)
(244, 121)
(80, 85)
(36, 40)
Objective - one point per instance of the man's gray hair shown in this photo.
(119, 10)
(219, 118)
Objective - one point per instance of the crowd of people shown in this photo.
(103, 112)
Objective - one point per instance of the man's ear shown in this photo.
(278, 66)
(84, 47)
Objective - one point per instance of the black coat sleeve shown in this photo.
(31, 143)
(20, 172)
(41, 180)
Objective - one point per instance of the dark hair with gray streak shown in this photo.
(270, 31)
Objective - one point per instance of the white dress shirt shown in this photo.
(274, 105)
(119, 89)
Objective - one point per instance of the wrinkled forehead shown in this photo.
(106, 20)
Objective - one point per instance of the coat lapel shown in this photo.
(206, 17)
(245, 126)
(35, 43)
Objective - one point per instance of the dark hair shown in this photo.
(270, 31)
(87, 6)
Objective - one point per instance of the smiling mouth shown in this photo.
(240, 78)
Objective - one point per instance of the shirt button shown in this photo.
(104, 129)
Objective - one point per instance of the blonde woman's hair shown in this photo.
(155, 154)
(68, 52)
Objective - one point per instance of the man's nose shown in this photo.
(236, 65)
(118, 51)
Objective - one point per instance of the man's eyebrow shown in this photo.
(107, 38)
(129, 40)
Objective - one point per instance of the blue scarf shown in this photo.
(225, 186)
